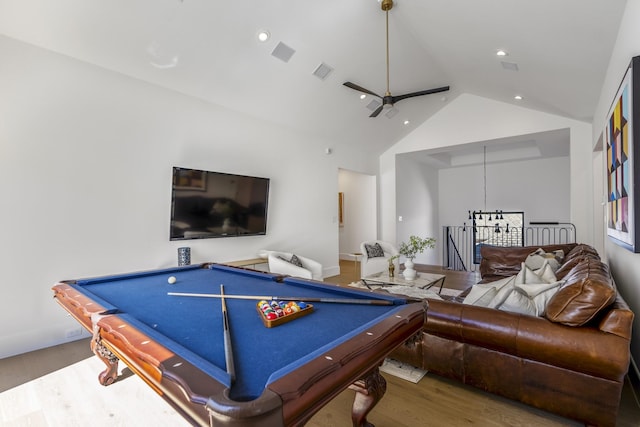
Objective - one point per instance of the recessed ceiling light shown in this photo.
(263, 35)
(501, 52)
(363, 96)
(406, 122)
(518, 97)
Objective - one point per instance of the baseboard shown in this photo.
(349, 256)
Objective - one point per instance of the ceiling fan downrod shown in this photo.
(389, 100)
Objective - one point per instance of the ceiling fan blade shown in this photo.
(375, 113)
(422, 92)
(360, 89)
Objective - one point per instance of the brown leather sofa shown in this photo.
(571, 362)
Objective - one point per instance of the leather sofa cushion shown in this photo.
(568, 266)
(587, 290)
(582, 250)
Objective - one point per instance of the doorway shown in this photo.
(357, 192)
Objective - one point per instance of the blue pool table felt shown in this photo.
(192, 327)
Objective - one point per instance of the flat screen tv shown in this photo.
(214, 204)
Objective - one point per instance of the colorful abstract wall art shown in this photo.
(621, 175)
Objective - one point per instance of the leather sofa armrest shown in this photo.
(617, 319)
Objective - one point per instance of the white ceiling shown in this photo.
(208, 49)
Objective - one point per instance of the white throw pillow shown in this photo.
(527, 275)
(517, 301)
(527, 292)
(546, 273)
(536, 260)
(530, 299)
(503, 293)
(483, 294)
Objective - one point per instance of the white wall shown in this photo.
(360, 218)
(417, 200)
(625, 265)
(540, 188)
(85, 172)
(428, 199)
(470, 118)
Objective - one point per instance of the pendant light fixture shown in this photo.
(473, 215)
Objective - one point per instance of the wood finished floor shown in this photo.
(58, 386)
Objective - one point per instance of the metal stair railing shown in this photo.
(453, 258)
(460, 252)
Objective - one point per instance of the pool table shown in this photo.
(283, 374)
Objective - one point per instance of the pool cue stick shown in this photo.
(228, 351)
(277, 298)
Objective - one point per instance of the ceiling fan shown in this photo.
(388, 100)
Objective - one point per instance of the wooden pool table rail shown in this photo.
(290, 400)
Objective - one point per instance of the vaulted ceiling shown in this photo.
(558, 52)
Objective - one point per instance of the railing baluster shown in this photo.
(458, 251)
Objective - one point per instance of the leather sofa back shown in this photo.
(498, 262)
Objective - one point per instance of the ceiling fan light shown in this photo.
(391, 112)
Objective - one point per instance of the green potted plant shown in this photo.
(416, 245)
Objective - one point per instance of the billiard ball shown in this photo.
(171, 280)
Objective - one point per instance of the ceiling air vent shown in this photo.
(511, 66)
(323, 71)
(374, 104)
(283, 52)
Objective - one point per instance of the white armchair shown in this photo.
(370, 265)
(279, 262)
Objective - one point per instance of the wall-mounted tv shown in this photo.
(214, 204)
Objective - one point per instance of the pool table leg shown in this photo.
(109, 375)
(369, 390)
